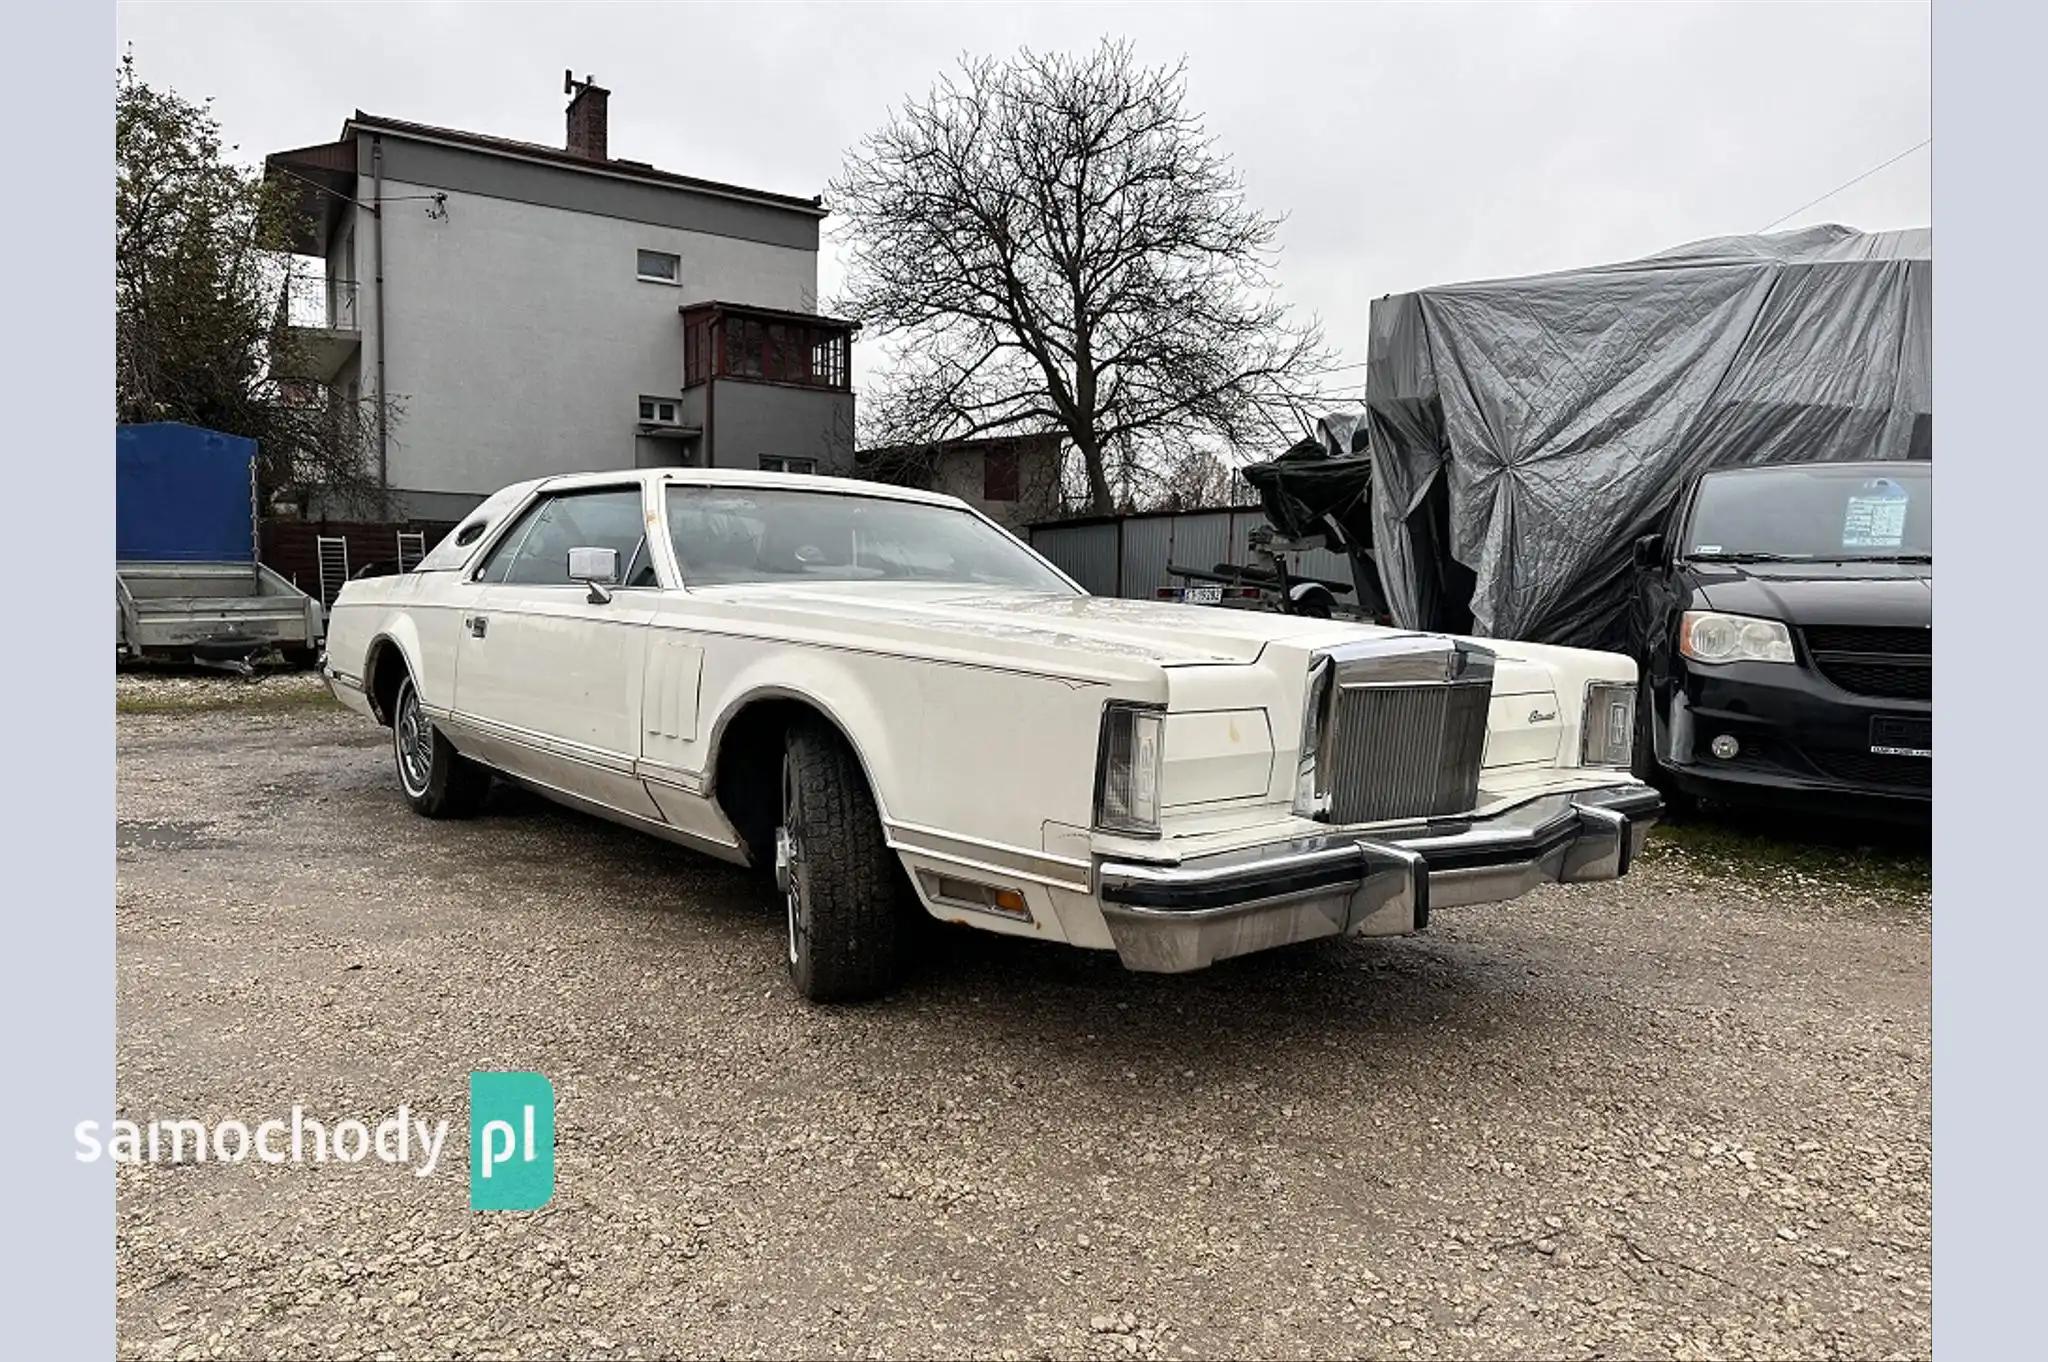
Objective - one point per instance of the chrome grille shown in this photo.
(1401, 747)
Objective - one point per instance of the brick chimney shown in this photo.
(587, 118)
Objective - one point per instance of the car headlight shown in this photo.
(1310, 799)
(1710, 636)
(1607, 729)
(1127, 763)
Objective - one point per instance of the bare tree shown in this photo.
(1196, 480)
(1054, 243)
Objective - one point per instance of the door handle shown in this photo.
(476, 625)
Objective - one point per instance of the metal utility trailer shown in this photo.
(187, 583)
(1269, 583)
(210, 612)
(1316, 496)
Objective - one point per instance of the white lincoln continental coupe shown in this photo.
(904, 711)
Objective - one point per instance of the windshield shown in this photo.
(1815, 511)
(726, 535)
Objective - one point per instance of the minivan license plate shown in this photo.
(1895, 736)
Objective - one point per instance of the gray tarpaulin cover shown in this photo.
(1525, 432)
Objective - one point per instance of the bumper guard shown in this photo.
(1171, 918)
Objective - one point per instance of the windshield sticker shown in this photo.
(1708, 548)
(1876, 517)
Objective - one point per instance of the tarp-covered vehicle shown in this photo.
(1524, 433)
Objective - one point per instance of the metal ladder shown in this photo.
(333, 552)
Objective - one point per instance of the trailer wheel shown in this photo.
(439, 782)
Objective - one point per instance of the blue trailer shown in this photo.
(187, 582)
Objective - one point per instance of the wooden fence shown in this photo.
(291, 548)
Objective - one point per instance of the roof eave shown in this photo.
(563, 160)
(322, 177)
(776, 313)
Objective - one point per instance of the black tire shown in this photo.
(845, 897)
(438, 781)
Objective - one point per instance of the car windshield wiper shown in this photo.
(1879, 558)
(1716, 556)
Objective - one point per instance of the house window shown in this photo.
(660, 411)
(999, 475)
(780, 463)
(661, 267)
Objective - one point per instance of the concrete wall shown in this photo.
(749, 420)
(614, 189)
(520, 340)
(345, 256)
(962, 473)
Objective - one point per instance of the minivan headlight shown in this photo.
(1607, 729)
(1127, 765)
(1710, 636)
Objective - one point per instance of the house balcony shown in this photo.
(766, 345)
(318, 333)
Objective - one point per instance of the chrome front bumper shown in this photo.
(1183, 916)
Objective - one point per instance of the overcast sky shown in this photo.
(1407, 145)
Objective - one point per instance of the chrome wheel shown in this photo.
(413, 739)
(789, 853)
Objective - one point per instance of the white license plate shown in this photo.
(1203, 595)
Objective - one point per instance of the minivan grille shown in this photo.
(1892, 640)
(1893, 663)
(1406, 751)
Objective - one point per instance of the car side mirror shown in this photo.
(597, 569)
(1650, 551)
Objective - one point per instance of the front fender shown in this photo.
(828, 683)
(979, 753)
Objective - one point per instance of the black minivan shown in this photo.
(1787, 620)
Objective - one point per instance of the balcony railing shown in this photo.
(313, 301)
(317, 332)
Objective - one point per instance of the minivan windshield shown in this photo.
(729, 535)
(1819, 512)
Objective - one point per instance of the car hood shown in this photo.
(1820, 593)
(1163, 632)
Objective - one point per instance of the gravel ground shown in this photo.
(164, 689)
(1686, 1115)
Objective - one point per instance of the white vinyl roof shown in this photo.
(449, 555)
